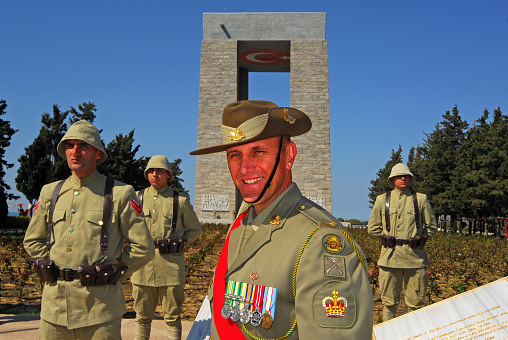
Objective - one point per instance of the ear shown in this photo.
(291, 152)
(98, 154)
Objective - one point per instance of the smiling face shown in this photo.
(81, 157)
(401, 182)
(251, 164)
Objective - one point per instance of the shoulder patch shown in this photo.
(334, 306)
(335, 266)
(36, 206)
(137, 207)
(332, 243)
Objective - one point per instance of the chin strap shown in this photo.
(267, 185)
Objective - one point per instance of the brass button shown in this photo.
(153, 234)
(76, 193)
(73, 211)
(101, 223)
(154, 210)
(68, 250)
(71, 230)
(155, 197)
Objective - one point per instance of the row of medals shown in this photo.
(244, 316)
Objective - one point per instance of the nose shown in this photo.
(247, 165)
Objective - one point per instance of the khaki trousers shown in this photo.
(146, 300)
(111, 330)
(415, 283)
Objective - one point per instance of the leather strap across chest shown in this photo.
(387, 210)
(141, 194)
(107, 212)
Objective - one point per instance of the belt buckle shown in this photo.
(68, 274)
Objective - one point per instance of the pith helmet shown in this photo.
(158, 162)
(88, 133)
(252, 120)
(401, 169)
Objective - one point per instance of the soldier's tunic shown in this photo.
(331, 261)
(403, 263)
(402, 226)
(165, 270)
(77, 230)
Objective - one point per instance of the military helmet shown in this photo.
(158, 162)
(87, 132)
(401, 169)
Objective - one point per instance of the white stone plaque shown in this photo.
(215, 202)
(318, 200)
(481, 313)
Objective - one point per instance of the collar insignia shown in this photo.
(328, 225)
(237, 135)
(275, 220)
(288, 117)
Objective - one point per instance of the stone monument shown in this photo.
(235, 44)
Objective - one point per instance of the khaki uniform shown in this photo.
(403, 264)
(331, 261)
(77, 230)
(165, 271)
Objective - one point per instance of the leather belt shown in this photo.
(400, 241)
(67, 274)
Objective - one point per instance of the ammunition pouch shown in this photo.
(45, 269)
(387, 241)
(170, 245)
(413, 242)
(101, 274)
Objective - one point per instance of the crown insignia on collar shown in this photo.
(288, 117)
(275, 220)
(237, 135)
(335, 306)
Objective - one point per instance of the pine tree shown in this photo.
(6, 133)
(85, 111)
(437, 160)
(41, 163)
(176, 182)
(381, 184)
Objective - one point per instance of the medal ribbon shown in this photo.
(243, 293)
(249, 296)
(269, 301)
(227, 329)
(229, 292)
(258, 297)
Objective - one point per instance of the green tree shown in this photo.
(481, 177)
(437, 159)
(176, 181)
(122, 163)
(41, 163)
(85, 111)
(6, 133)
(381, 185)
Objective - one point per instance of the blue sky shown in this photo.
(395, 68)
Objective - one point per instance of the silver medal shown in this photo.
(226, 311)
(235, 314)
(255, 319)
(245, 316)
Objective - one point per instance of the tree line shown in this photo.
(41, 164)
(463, 169)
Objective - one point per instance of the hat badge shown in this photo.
(237, 135)
(288, 117)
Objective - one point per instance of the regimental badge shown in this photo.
(328, 225)
(275, 220)
(288, 117)
(237, 135)
(36, 206)
(136, 206)
(333, 243)
(335, 306)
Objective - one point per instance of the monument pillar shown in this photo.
(235, 44)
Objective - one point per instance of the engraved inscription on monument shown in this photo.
(318, 200)
(215, 203)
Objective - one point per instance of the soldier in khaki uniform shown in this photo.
(69, 309)
(403, 260)
(164, 276)
(288, 267)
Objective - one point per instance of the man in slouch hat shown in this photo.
(288, 268)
